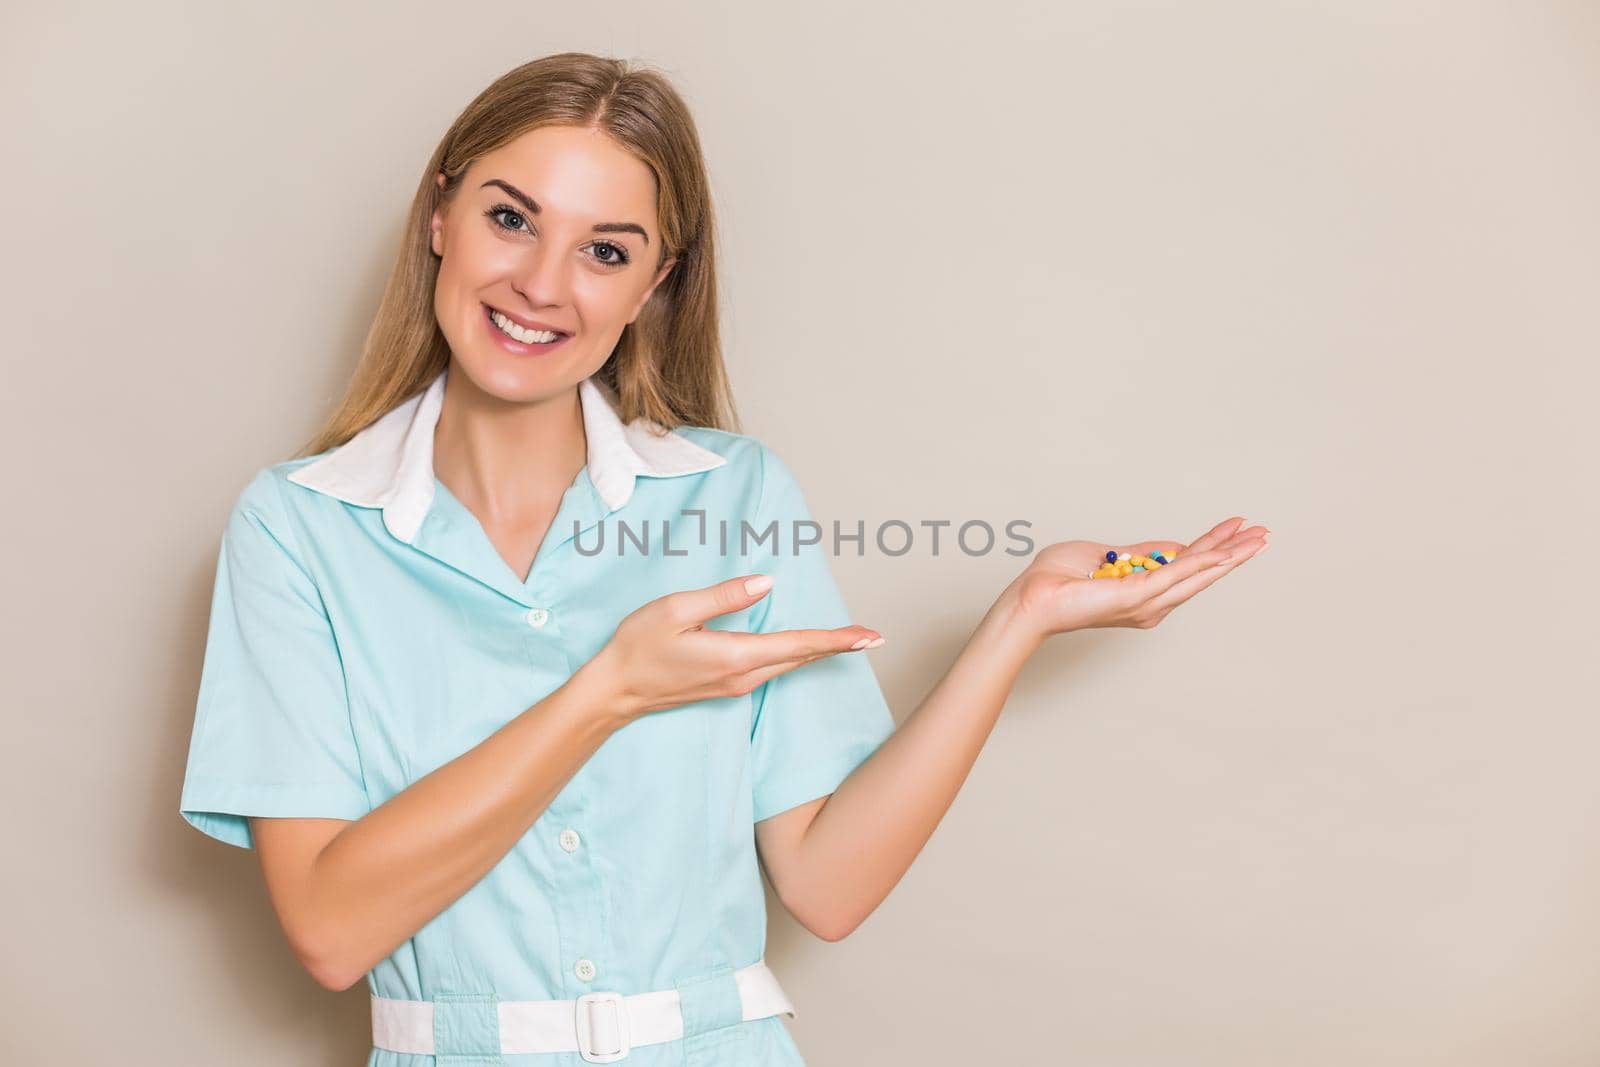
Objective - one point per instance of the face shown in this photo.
(553, 232)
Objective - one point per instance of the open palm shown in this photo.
(1056, 591)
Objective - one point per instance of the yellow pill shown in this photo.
(1152, 564)
(1124, 568)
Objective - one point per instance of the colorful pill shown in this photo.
(1122, 564)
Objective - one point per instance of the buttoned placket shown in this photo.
(451, 534)
(388, 465)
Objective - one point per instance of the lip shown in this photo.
(516, 347)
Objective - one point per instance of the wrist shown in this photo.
(1012, 625)
(594, 684)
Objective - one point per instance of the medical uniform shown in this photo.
(364, 631)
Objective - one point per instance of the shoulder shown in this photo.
(270, 503)
(752, 464)
(268, 492)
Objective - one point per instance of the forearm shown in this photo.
(866, 835)
(387, 874)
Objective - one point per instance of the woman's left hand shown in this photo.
(1055, 593)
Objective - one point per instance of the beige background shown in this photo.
(1118, 269)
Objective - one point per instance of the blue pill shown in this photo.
(1111, 557)
(1138, 566)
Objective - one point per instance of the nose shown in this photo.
(543, 275)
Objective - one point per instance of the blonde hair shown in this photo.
(667, 365)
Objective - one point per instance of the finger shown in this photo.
(784, 646)
(1217, 535)
(1188, 587)
(692, 607)
(1151, 584)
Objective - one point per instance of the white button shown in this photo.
(537, 617)
(569, 840)
(584, 969)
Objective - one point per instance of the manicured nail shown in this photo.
(860, 644)
(874, 643)
(759, 584)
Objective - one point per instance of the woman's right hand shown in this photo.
(662, 655)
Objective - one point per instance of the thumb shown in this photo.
(724, 597)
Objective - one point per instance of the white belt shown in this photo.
(602, 1026)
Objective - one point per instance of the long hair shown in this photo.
(667, 364)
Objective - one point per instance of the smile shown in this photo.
(518, 338)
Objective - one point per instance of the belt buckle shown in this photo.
(584, 1009)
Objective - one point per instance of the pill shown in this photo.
(1122, 564)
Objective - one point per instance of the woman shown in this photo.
(505, 701)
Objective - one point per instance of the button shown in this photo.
(569, 840)
(584, 970)
(538, 617)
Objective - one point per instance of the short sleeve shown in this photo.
(816, 723)
(272, 733)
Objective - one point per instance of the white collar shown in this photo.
(389, 464)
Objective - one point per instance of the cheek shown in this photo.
(605, 304)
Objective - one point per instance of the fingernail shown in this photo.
(759, 584)
(860, 644)
(874, 643)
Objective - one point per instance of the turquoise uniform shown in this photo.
(364, 631)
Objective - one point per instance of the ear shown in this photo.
(661, 275)
(436, 223)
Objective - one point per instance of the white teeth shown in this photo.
(527, 337)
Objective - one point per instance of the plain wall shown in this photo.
(1120, 270)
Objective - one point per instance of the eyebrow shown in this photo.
(533, 209)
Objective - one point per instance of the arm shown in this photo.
(347, 893)
(863, 837)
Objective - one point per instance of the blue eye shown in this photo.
(620, 258)
(621, 252)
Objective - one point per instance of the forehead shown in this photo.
(571, 171)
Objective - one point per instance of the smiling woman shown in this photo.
(527, 791)
(516, 786)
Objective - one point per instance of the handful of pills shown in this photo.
(1121, 564)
